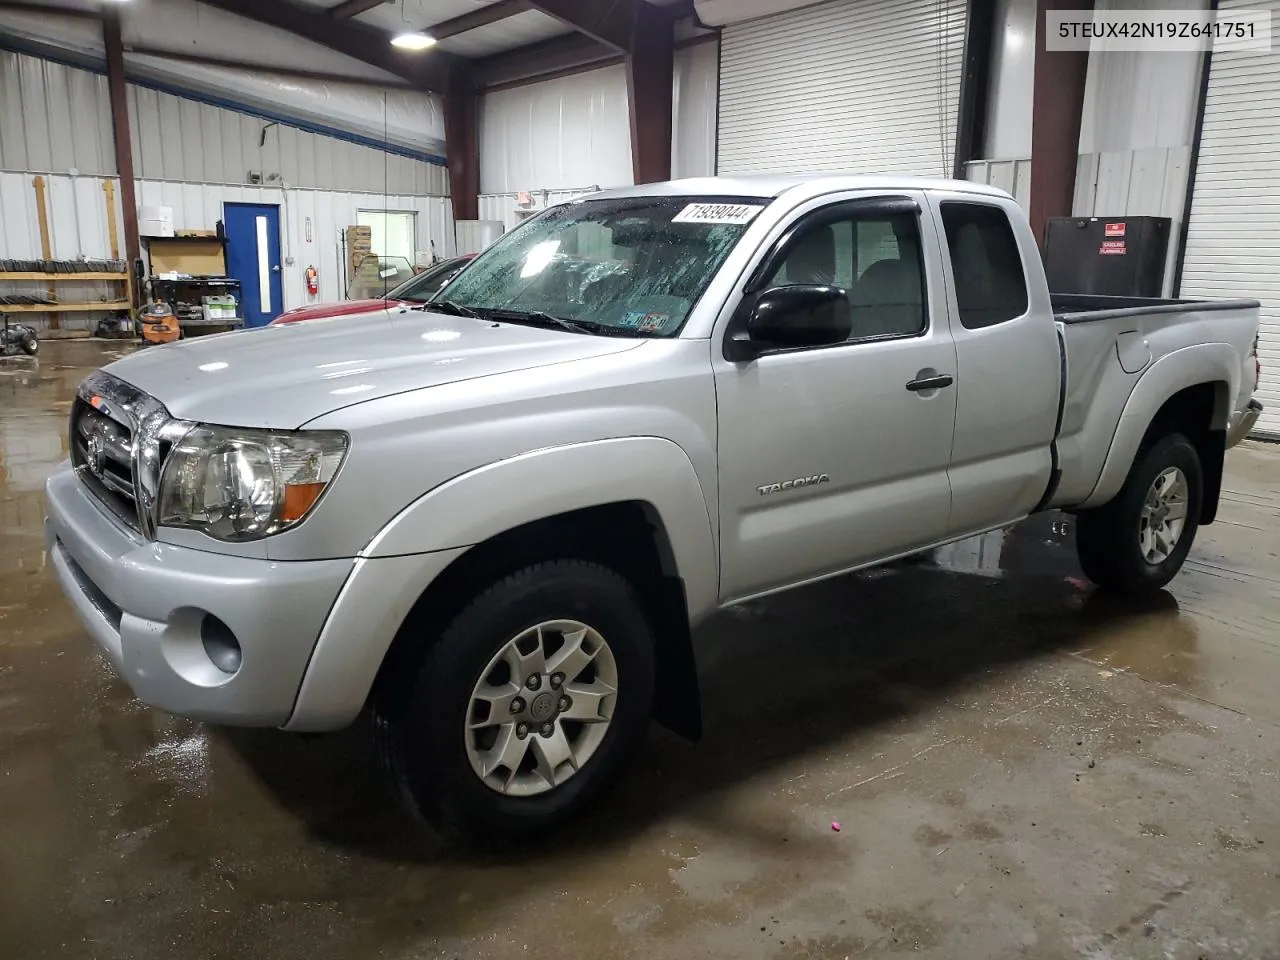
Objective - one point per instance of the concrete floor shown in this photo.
(1020, 769)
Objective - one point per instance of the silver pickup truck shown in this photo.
(495, 520)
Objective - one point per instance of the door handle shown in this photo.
(930, 383)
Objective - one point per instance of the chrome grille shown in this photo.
(102, 452)
(120, 437)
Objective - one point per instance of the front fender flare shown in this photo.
(501, 496)
(403, 559)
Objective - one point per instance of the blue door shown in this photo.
(253, 258)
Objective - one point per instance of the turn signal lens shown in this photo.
(298, 499)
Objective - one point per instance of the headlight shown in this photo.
(237, 485)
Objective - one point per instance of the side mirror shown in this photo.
(802, 315)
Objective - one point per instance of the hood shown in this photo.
(344, 309)
(282, 376)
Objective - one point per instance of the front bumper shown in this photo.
(143, 602)
(1242, 422)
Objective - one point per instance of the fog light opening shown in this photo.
(220, 644)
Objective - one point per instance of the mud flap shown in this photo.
(1212, 448)
(677, 700)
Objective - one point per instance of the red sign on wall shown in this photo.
(1112, 248)
(1115, 230)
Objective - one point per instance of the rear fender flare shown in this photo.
(1176, 371)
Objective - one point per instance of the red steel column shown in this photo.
(650, 77)
(1057, 102)
(117, 92)
(462, 149)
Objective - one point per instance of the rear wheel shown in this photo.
(1138, 542)
(526, 708)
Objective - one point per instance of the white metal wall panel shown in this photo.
(503, 206)
(199, 206)
(849, 85)
(693, 133)
(179, 139)
(557, 134)
(1235, 210)
(1011, 176)
(54, 119)
(78, 224)
(57, 119)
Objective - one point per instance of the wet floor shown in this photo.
(1018, 768)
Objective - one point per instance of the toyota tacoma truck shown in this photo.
(494, 519)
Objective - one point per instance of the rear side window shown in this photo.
(990, 285)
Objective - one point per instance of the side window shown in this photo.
(990, 285)
(876, 260)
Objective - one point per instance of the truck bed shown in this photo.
(1087, 307)
(1109, 344)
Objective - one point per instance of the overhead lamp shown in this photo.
(415, 40)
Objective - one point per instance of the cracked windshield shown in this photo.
(624, 267)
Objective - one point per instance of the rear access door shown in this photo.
(1008, 361)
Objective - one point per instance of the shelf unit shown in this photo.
(105, 305)
(66, 307)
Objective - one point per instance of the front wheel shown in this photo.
(31, 346)
(526, 708)
(1138, 542)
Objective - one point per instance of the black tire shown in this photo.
(419, 723)
(1107, 539)
(31, 346)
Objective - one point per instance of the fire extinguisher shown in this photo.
(313, 281)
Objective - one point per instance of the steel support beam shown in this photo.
(433, 70)
(475, 19)
(118, 94)
(612, 22)
(353, 8)
(462, 147)
(1056, 106)
(544, 60)
(44, 10)
(650, 75)
(971, 123)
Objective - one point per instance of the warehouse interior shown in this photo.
(965, 753)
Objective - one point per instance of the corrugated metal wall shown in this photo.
(199, 206)
(1117, 183)
(179, 139)
(57, 119)
(503, 206)
(53, 119)
(78, 227)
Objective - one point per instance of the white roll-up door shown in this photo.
(862, 86)
(1233, 236)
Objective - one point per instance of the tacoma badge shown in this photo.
(795, 484)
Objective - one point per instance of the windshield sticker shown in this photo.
(644, 321)
(736, 213)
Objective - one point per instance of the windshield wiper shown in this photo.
(544, 319)
(448, 306)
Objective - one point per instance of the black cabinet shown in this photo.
(1110, 256)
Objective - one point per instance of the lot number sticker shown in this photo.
(736, 213)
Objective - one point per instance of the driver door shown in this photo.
(833, 456)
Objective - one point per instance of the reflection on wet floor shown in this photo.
(1021, 768)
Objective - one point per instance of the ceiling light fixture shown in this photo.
(415, 40)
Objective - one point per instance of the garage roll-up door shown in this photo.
(851, 85)
(1233, 235)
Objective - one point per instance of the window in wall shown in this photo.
(990, 285)
(394, 232)
(876, 259)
